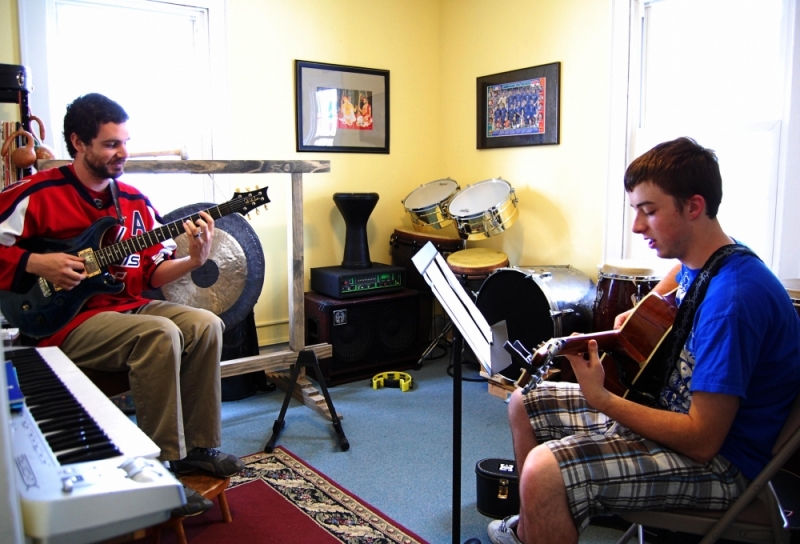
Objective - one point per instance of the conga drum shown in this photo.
(620, 286)
(473, 266)
(404, 244)
(793, 289)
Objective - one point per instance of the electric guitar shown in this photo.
(41, 309)
(628, 351)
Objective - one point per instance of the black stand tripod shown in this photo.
(306, 359)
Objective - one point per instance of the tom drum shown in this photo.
(620, 286)
(427, 205)
(538, 303)
(484, 209)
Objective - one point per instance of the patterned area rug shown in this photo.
(342, 515)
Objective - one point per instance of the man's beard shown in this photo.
(102, 170)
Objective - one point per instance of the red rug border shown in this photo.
(344, 490)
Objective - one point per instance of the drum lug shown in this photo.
(559, 313)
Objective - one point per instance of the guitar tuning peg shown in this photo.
(247, 189)
(257, 187)
(257, 212)
(238, 190)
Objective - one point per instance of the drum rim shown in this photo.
(432, 237)
(509, 196)
(627, 277)
(438, 203)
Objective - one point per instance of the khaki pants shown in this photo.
(171, 353)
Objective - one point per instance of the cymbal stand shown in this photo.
(306, 359)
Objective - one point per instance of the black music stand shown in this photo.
(486, 342)
(306, 359)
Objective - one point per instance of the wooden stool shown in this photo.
(209, 487)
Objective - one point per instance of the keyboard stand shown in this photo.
(306, 359)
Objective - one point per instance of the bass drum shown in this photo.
(538, 303)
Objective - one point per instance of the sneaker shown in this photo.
(195, 504)
(501, 531)
(215, 462)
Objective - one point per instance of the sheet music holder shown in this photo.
(486, 342)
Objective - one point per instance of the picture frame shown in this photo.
(341, 109)
(519, 107)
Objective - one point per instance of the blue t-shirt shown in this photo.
(745, 341)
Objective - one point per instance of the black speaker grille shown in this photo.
(368, 335)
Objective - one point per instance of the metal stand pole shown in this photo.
(458, 344)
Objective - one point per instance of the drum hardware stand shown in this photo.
(306, 359)
(434, 344)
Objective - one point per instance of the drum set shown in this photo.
(537, 302)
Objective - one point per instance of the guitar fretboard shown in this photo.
(117, 252)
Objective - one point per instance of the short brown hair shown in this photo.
(681, 168)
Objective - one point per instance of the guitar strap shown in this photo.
(652, 379)
(67, 173)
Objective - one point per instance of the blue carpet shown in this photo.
(400, 456)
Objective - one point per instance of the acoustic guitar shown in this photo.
(41, 309)
(629, 349)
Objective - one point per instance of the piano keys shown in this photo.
(70, 444)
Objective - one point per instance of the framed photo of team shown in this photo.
(519, 108)
(341, 108)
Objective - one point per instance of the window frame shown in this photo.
(626, 35)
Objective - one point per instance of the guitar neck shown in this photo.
(117, 252)
(570, 345)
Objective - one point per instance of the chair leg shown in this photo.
(223, 505)
(634, 529)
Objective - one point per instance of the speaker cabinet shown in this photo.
(369, 335)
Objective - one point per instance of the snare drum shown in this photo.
(484, 209)
(473, 266)
(538, 303)
(620, 286)
(427, 205)
(404, 244)
(793, 289)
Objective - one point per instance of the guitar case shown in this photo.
(497, 487)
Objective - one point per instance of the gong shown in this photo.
(230, 281)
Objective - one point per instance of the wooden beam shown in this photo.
(270, 362)
(136, 166)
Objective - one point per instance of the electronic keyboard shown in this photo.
(84, 471)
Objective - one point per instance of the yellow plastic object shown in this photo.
(392, 379)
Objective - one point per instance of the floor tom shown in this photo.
(537, 303)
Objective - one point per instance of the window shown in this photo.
(152, 57)
(717, 71)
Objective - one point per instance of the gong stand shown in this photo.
(306, 359)
(276, 362)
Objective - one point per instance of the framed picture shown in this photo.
(342, 109)
(520, 107)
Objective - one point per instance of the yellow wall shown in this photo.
(434, 50)
(9, 47)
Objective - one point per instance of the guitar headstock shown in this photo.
(250, 200)
(536, 364)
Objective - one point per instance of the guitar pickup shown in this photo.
(89, 262)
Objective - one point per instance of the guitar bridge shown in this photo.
(89, 262)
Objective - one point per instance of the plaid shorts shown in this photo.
(607, 467)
